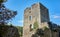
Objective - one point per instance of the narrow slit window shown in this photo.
(30, 17)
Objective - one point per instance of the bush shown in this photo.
(35, 25)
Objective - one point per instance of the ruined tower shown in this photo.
(36, 14)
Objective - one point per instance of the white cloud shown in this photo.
(20, 21)
(55, 16)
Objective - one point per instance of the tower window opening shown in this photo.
(30, 17)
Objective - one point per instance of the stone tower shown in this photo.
(37, 12)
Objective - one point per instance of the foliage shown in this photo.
(45, 28)
(1, 1)
(20, 29)
(11, 25)
(34, 35)
(35, 25)
(40, 32)
(3, 29)
(5, 14)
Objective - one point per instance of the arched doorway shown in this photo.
(31, 27)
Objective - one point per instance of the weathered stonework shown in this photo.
(37, 12)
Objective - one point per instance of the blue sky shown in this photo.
(20, 5)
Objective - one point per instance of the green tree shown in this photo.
(35, 25)
(20, 29)
(39, 32)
